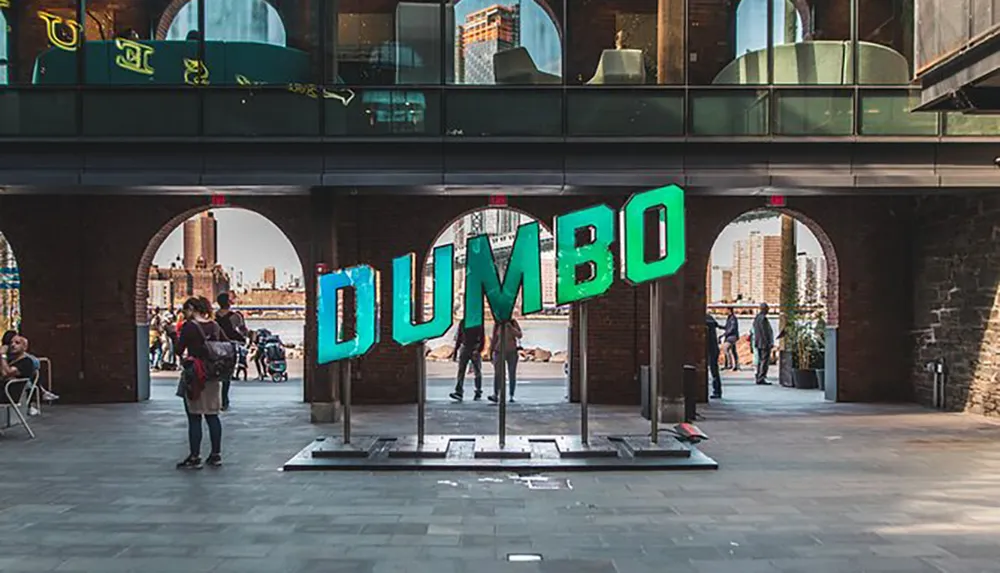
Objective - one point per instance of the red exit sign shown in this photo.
(776, 201)
(498, 201)
(218, 201)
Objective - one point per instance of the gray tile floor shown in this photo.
(803, 486)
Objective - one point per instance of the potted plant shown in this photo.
(803, 346)
(819, 357)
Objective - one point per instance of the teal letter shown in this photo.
(669, 203)
(524, 269)
(404, 269)
(594, 255)
(364, 280)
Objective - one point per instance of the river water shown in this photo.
(552, 335)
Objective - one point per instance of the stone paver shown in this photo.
(803, 486)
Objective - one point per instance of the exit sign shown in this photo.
(218, 201)
(498, 201)
(776, 201)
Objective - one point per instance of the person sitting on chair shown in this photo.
(17, 364)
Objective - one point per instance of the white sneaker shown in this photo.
(33, 411)
(49, 396)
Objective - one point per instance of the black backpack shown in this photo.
(220, 358)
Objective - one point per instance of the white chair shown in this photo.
(619, 67)
(19, 406)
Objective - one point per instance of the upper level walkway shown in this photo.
(803, 485)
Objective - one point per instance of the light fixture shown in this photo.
(522, 557)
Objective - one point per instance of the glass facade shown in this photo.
(462, 69)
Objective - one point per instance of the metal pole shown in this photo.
(421, 393)
(502, 390)
(345, 379)
(584, 430)
(654, 361)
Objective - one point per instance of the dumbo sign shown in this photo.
(584, 269)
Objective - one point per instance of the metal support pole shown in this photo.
(584, 428)
(501, 366)
(345, 380)
(421, 393)
(654, 361)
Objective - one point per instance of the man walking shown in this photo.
(469, 344)
(732, 335)
(763, 341)
(235, 327)
(712, 354)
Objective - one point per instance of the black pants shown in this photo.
(194, 432)
(713, 369)
(763, 362)
(732, 356)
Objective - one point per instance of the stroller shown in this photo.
(241, 362)
(274, 358)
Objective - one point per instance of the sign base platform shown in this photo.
(485, 453)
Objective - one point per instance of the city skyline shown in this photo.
(538, 33)
(247, 242)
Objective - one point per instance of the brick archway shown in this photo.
(146, 261)
(829, 254)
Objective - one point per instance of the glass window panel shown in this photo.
(958, 124)
(889, 113)
(43, 113)
(3, 43)
(261, 112)
(814, 112)
(383, 112)
(823, 55)
(624, 113)
(623, 42)
(729, 112)
(387, 42)
(503, 113)
(727, 42)
(44, 41)
(505, 42)
(130, 112)
(885, 42)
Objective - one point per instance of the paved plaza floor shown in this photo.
(803, 485)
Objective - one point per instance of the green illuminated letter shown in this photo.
(669, 203)
(523, 271)
(404, 269)
(595, 254)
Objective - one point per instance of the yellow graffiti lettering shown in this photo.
(52, 26)
(195, 72)
(245, 81)
(313, 91)
(343, 96)
(134, 56)
(4, 3)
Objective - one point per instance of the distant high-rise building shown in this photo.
(811, 279)
(548, 279)
(709, 291)
(726, 278)
(485, 32)
(270, 277)
(757, 268)
(200, 242)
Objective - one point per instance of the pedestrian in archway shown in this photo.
(469, 343)
(712, 353)
(235, 327)
(763, 340)
(731, 334)
(511, 341)
(202, 391)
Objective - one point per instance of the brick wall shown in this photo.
(956, 268)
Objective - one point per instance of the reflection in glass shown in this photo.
(45, 48)
(814, 112)
(889, 113)
(494, 113)
(506, 42)
(626, 113)
(389, 42)
(3, 48)
(624, 42)
(822, 53)
(729, 112)
(958, 125)
(230, 21)
(885, 41)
